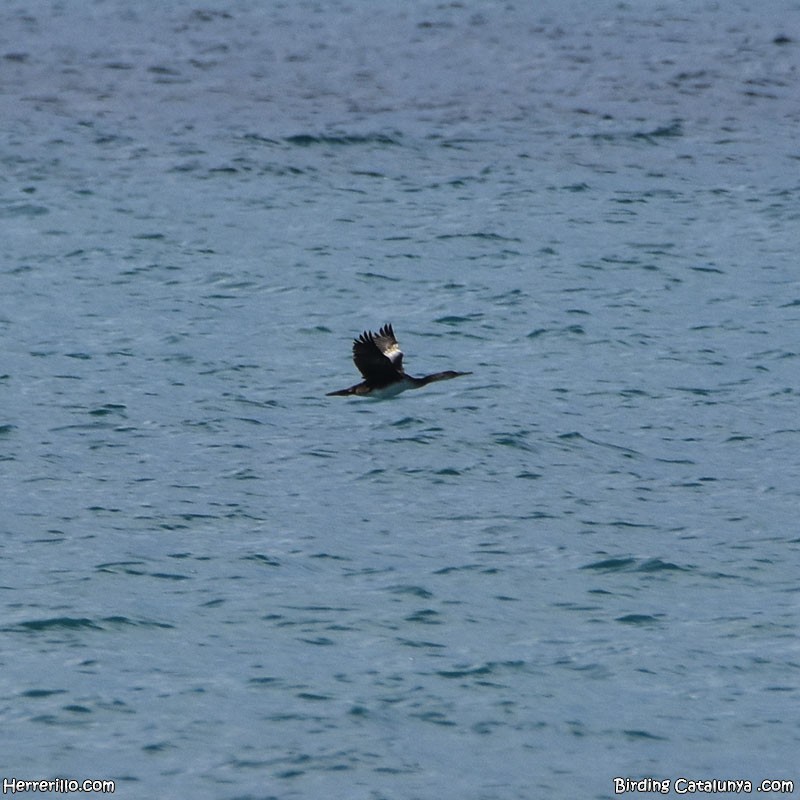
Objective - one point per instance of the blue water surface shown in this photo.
(579, 562)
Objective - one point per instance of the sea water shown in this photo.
(577, 564)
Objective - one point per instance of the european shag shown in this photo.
(379, 359)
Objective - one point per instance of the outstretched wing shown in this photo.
(377, 356)
(387, 344)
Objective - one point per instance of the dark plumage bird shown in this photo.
(379, 359)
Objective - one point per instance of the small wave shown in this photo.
(309, 140)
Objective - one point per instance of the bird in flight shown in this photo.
(379, 359)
